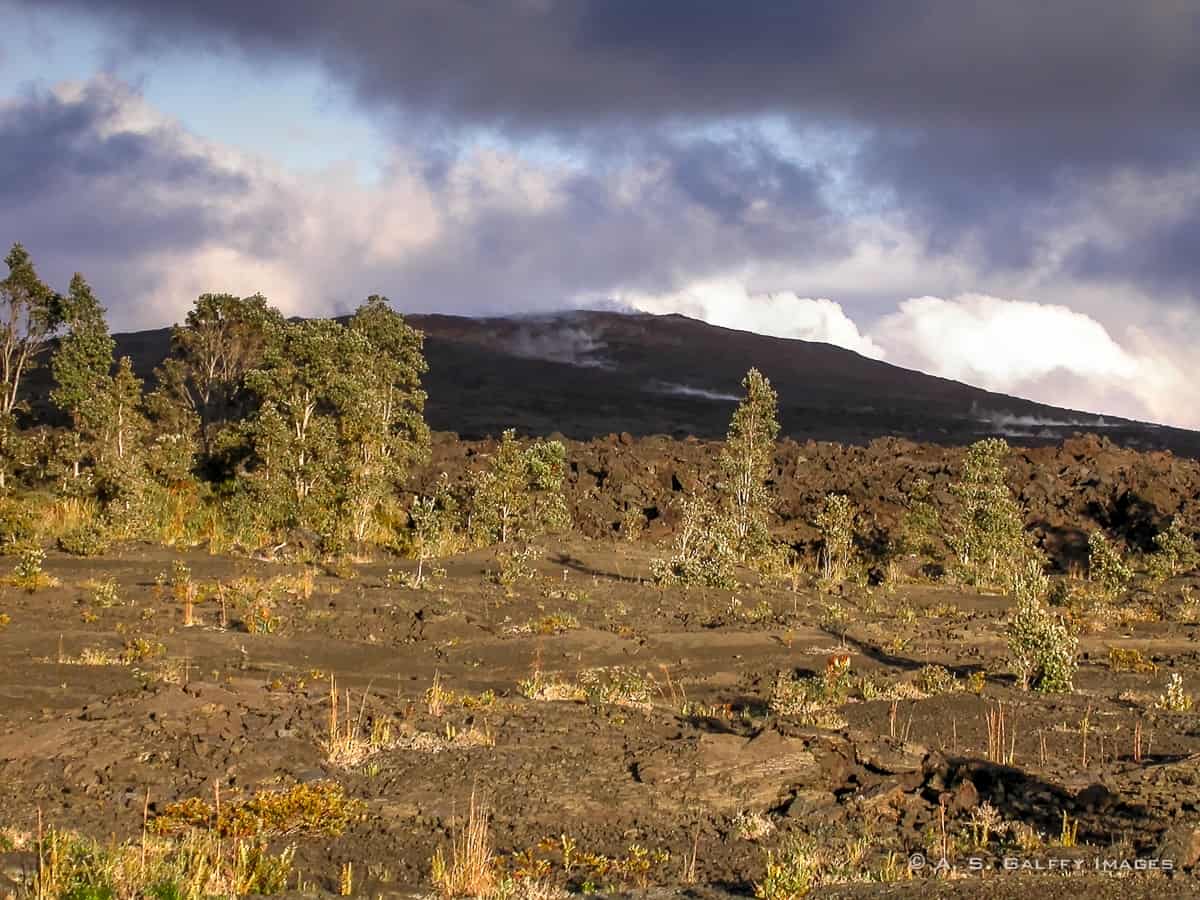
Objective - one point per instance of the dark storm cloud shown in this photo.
(1166, 257)
(562, 63)
(70, 181)
(91, 180)
(977, 118)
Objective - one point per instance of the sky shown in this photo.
(1007, 194)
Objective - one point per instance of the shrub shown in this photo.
(837, 521)
(921, 526)
(88, 539)
(432, 518)
(1041, 646)
(16, 524)
(704, 549)
(933, 679)
(987, 533)
(745, 465)
(1106, 567)
(1175, 698)
(519, 496)
(813, 701)
(28, 573)
(1175, 553)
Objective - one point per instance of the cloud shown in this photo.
(584, 62)
(728, 303)
(96, 180)
(1041, 351)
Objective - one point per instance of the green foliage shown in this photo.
(1041, 647)
(792, 872)
(813, 701)
(16, 524)
(29, 315)
(837, 521)
(1174, 553)
(88, 539)
(519, 496)
(988, 533)
(222, 338)
(705, 549)
(339, 423)
(432, 521)
(745, 465)
(85, 353)
(1106, 567)
(921, 525)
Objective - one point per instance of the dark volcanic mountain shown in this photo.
(592, 373)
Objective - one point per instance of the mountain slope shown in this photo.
(591, 373)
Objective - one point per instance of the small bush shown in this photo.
(705, 549)
(1175, 553)
(320, 808)
(1175, 698)
(1106, 567)
(813, 701)
(28, 573)
(933, 679)
(1041, 646)
(837, 521)
(88, 539)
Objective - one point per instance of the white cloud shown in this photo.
(1040, 351)
(728, 303)
(1043, 352)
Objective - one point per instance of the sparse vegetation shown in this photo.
(987, 532)
(1106, 567)
(1041, 647)
(745, 465)
(704, 549)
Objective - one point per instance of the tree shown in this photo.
(294, 432)
(29, 315)
(988, 533)
(81, 366)
(745, 464)
(519, 496)
(380, 407)
(221, 340)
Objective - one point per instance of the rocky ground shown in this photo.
(622, 734)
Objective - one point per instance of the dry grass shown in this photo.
(469, 869)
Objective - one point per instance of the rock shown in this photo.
(1096, 798)
(883, 756)
(965, 796)
(807, 802)
(1180, 844)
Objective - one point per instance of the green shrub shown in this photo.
(1041, 647)
(89, 539)
(705, 549)
(1174, 553)
(837, 521)
(1106, 567)
(987, 533)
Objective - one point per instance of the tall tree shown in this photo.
(222, 338)
(380, 405)
(745, 464)
(294, 432)
(81, 366)
(30, 314)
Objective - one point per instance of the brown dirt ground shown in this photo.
(84, 744)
